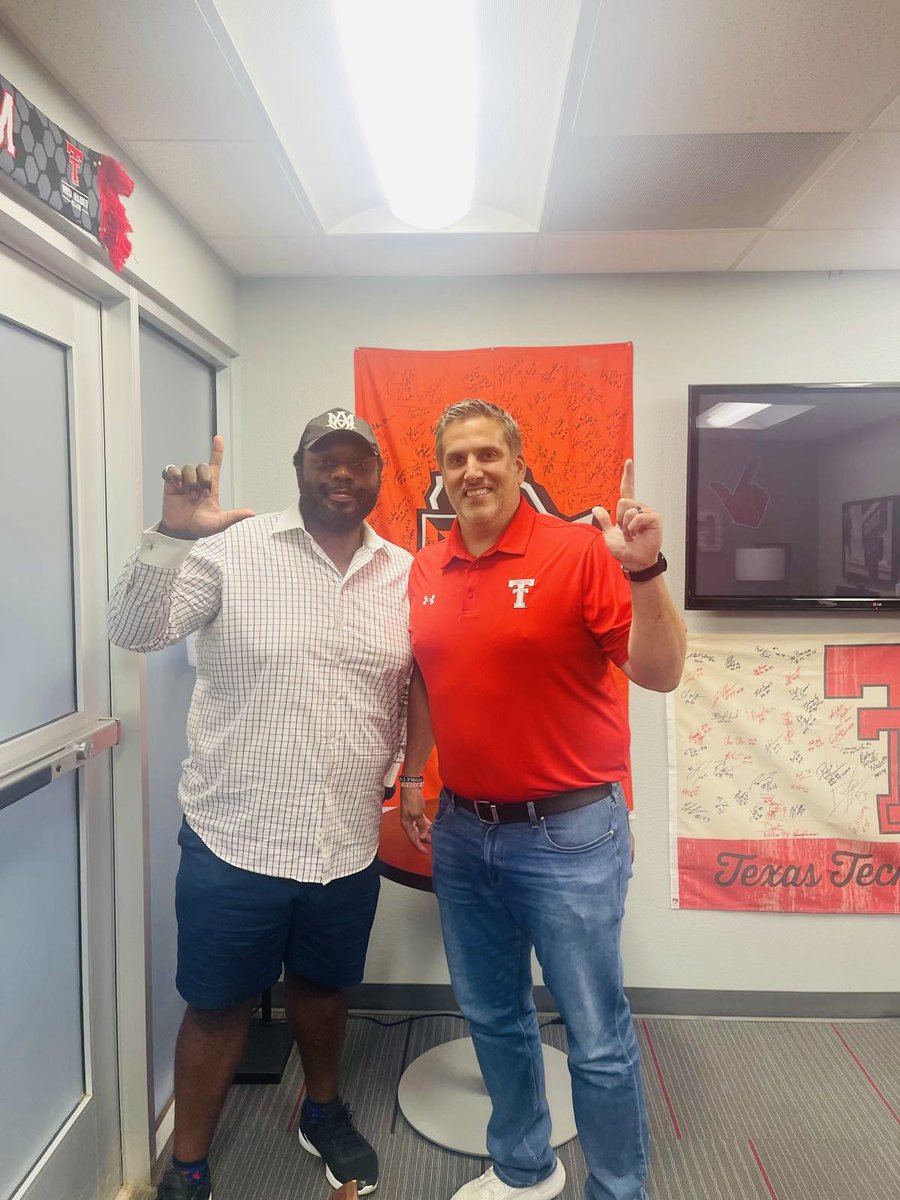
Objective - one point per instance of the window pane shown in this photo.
(41, 1046)
(37, 639)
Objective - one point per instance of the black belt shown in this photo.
(520, 810)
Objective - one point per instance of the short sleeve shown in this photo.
(606, 598)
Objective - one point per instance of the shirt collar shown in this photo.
(292, 518)
(513, 540)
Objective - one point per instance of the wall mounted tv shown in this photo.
(794, 497)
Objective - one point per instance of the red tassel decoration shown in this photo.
(113, 183)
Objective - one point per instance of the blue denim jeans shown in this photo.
(557, 884)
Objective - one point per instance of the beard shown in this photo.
(343, 516)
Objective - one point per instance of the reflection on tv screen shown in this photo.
(794, 497)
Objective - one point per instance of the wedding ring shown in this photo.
(166, 469)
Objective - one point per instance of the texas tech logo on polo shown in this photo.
(519, 588)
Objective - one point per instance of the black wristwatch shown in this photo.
(648, 572)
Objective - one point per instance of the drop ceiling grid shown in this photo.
(662, 182)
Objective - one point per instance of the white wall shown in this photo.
(298, 339)
(169, 259)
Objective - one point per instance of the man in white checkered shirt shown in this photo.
(298, 713)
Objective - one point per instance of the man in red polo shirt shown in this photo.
(515, 620)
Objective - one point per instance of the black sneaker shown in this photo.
(176, 1186)
(346, 1153)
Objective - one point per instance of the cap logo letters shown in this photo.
(341, 420)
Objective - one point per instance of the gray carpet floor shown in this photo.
(739, 1110)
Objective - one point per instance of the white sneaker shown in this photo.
(489, 1187)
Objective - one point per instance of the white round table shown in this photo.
(443, 1097)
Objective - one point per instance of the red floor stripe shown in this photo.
(762, 1170)
(877, 1090)
(662, 1082)
(296, 1113)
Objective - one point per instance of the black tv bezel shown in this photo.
(698, 602)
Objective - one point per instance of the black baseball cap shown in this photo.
(337, 420)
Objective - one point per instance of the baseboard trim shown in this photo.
(668, 1002)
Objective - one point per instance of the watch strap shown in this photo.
(650, 572)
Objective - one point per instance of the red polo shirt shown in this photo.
(515, 649)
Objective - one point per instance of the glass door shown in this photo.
(59, 1115)
(178, 403)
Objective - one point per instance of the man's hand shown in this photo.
(415, 824)
(191, 499)
(635, 539)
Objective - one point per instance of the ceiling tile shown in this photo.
(729, 66)
(861, 190)
(702, 182)
(145, 70)
(427, 254)
(227, 189)
(890, 118)
(825, 250)
(690, 250)
(274, 256)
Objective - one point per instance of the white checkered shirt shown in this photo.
(299, 707)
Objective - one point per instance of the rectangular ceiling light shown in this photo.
(413, 71)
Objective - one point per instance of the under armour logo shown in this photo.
(341, 420)
(520, 587)
(428, 599)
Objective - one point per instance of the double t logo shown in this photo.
(848, 669)
(520, 587)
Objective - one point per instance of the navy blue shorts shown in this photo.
(236, 929)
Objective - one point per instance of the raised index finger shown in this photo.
(218, 453)
(626, 488)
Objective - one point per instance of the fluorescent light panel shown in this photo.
(412, 67)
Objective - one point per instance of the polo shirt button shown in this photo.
(470, 594)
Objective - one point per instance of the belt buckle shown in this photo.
(493, 819)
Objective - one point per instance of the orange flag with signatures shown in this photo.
(573, 405)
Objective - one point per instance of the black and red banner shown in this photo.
(81, 185)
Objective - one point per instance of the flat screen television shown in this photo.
(793, 497)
